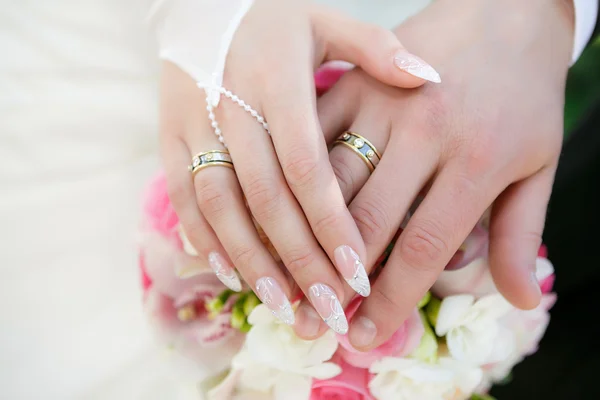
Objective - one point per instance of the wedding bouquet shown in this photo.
(460, 339)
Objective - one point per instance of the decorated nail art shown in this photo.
(224, 271)
(415, 66)
(352, 269)
(271, 294)
(329, 308)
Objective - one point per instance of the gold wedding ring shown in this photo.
(211, 158)
(361, 146)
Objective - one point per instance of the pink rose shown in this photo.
(351, 384)
(403, 341)
(328, 74)
(176, 306)
(158, 212)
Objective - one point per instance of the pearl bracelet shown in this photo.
(238, 101)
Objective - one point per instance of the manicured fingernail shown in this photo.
(309, 321)
(224, 271)
(329, 308)
(363, 331)
(271, 294)
(415, 66)
(352, 269)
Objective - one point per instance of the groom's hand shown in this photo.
(490, 133)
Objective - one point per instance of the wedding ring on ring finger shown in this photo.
(210, 158)
(361, 147)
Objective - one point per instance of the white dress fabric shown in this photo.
(78, 142)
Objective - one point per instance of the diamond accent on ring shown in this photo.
(209, 157)
(195, 162)
(370, 154)
(359, 143)
(346, 136)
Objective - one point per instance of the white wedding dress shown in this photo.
(78, 141)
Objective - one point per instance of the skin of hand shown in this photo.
(490, 133)
(285, 182)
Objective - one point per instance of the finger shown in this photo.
(351, 173)
(175, 155)
(376, 50)
(181, 193)
(383, 202)
(440, 224)
(516, 227)
(221, 201)
(280, 216)
(303, 156)
(336, 109)
(352, 169)
(218, 196)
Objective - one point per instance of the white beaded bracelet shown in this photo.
(241, 103)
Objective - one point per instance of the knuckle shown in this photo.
(212, 197)
(264, 197)
(298, 259)
(331, 220)
(242, 255)
(376, 34)
(301, 168)
(388, 303)
(372, 219)
(422, 245)
(176, 190)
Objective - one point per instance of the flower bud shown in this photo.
(433, 309)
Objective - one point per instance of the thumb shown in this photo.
(516, 228)
(376, 50)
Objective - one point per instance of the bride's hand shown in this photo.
(491, 132)
(286, 179)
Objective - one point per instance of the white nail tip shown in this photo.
(360, 280)
(329, 308)
(225, 274)
(417, 67)
(271, 294)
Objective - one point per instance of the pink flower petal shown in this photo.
(402, 342)
(351, 384)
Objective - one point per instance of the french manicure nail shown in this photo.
(352, 269)
(363, 332)
(415, 66)
(329, 308)
(224, 271)
(271, 294)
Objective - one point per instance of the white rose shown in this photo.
(472, 329)
(276, 362)
(410, 379)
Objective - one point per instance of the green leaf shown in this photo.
(425, 300)
(482, 397)
(432, 310)
(251, 302)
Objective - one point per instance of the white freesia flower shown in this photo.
(472, 329)
(528, 328)
(276, 362)
(411, 379)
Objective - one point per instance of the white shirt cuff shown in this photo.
(586, 12)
